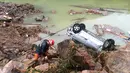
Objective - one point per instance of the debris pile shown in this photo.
(109, 10)
(17, 11)
(105, 62)
(72, 57)
(105, 28)
(109, 29)
(89, 11)
(116, 61)
(12, 41)
(75, 57)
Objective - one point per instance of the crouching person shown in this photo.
(41, 49)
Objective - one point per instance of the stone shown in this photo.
(117, 61)
(38, 19)
(11, 65)
(79, 55)
(98, 66)
(85, 58)
(43, 67)
(93, 71)
(16, 51)
(52, 52)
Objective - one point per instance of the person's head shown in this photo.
(51, 42)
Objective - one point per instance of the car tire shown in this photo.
(76, 28)
(109, 45)
(82, 26)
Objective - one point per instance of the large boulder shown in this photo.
(117, 61)
(78, 55)
(11, 65)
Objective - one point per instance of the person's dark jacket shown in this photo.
(42, 48)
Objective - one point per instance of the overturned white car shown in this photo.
(79, 33)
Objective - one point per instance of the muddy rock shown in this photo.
(116, 61)
(43, 67)
(79, 55)
(52, 51)
(12, 42)
(11, 65)
(84, 58)
(38, 19)
(93, 71)
(5, 18)
(16, 11)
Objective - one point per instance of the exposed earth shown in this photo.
(16, 40)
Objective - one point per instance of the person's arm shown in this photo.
(52, 47)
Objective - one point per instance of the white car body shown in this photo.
(87, 38)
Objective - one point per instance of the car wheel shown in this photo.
(82, 26)
(109, 45)
(76, 28)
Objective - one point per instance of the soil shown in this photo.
(17, 11)
(13, 36)
(105, 62)
(12, 41)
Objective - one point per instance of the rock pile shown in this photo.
(12, 42)
(17, 11)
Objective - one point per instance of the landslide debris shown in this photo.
(117, 61)
(17, 11)
(77, 58)
(72, 57)
(12, 41)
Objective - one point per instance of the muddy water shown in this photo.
(62, 19)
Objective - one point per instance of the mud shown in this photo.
(17, 11)
(15, 35)
(12, 41)
(117, 61)
(106, 61)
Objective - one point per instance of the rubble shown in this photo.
(72, 58)
(12, 65)
(17, 11)
(89, 11)
(16, 41)
(76, 57)
(93, 71)
(43, 67)
(109, 10)
(105, 28)
(12, 41)
(117, 61)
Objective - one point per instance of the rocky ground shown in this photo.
(17, 11)
(69, 57)
(13, 36)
